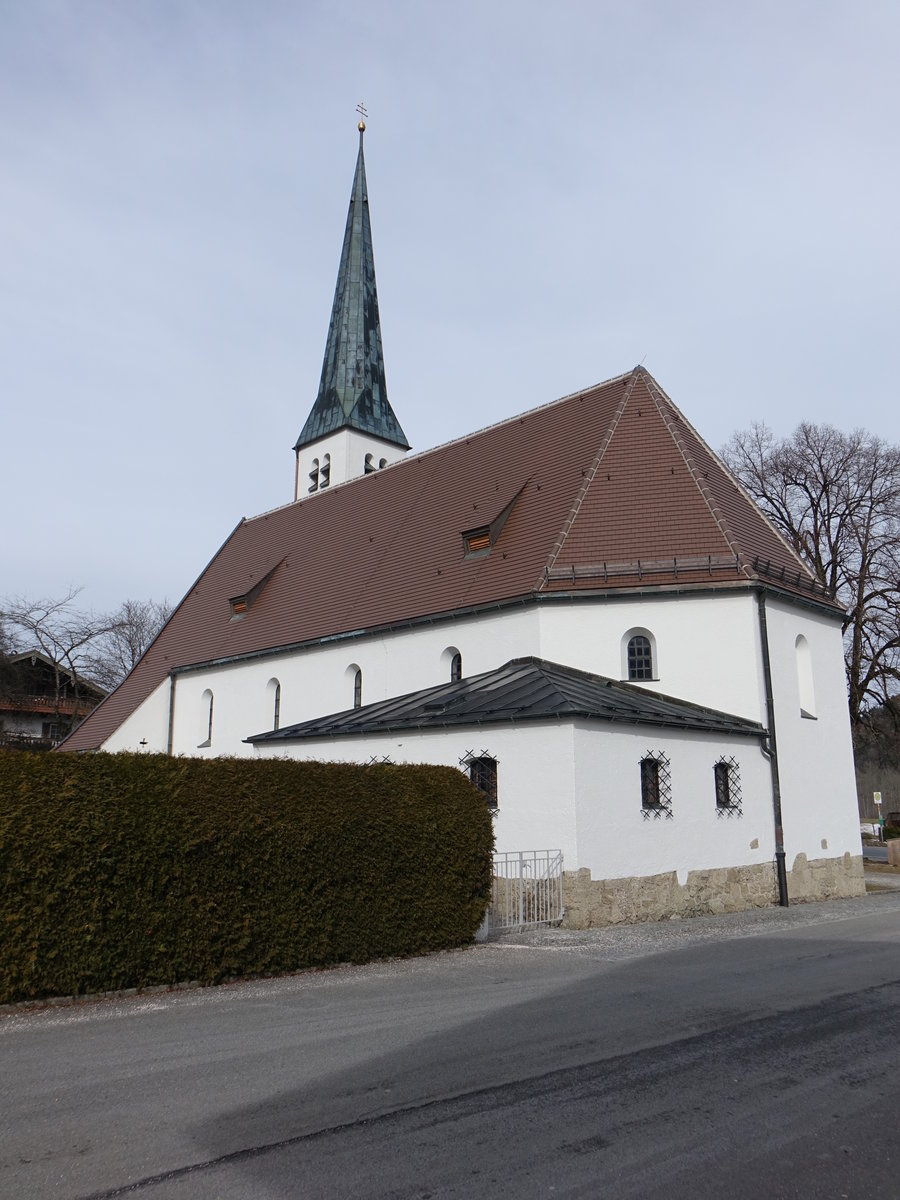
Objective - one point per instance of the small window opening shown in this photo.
(357, 688)
(369, 466)
(325, 471)
(276, 716)
(640, 658)
(727, 777)
(482, 770)
(805, 678)
(656, 786)
(478, 542)
(649, 783)
(314, 477)
(207, 700)
(382, 463)
(456, 668)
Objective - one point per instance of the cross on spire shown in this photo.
(363, 113)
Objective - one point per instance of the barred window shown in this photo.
(656, 786)
(482, 771)
(727, 778)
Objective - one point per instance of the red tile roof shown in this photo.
(612, 489)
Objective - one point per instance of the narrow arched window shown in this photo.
(382, 463)
(456, 668)
(206, 701)
(357, 688)
(325, 471)
(314, 477)
(640, 657)
(805, 678)
(369, 465)
(276, 715)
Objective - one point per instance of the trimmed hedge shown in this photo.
(121, 871)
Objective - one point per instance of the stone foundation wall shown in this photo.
(592, 902)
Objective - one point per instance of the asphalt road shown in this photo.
(741, 1057)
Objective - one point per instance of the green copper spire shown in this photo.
(352, 390)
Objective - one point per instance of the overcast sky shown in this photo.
(557, 191)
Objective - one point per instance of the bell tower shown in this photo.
(351, 429)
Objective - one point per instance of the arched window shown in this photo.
(314, 477)
(382, 462)
(369, 465)
(273, 690)
(805, 678)
(206, 702)
(325, 471)
(357, 688)
(639, 655)
(451, 664)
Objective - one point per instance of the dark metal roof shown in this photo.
(524, 689)
(352, 390)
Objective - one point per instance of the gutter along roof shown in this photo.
(606, 490)
(525, 689)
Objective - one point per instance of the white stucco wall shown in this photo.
(319, 679)
(614, 837)
(815, 756)
(707, 647)
(707, 651)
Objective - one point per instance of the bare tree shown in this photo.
(836, 498)
(63, 634)
(129, 632)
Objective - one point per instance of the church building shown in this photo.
(579, 606)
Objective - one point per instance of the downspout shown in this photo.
(780, 869)
(171, 736)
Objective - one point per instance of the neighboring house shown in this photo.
(579, 606)
(38, 701)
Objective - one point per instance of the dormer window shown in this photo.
(477, 542)
(241, 604)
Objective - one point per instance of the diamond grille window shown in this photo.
(482, 771)
(727, 776)
(656, 786)
(640, 658)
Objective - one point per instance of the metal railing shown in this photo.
(526, 890)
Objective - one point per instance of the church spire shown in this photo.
(352, 392)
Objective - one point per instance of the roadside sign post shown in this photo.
(877, 798)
